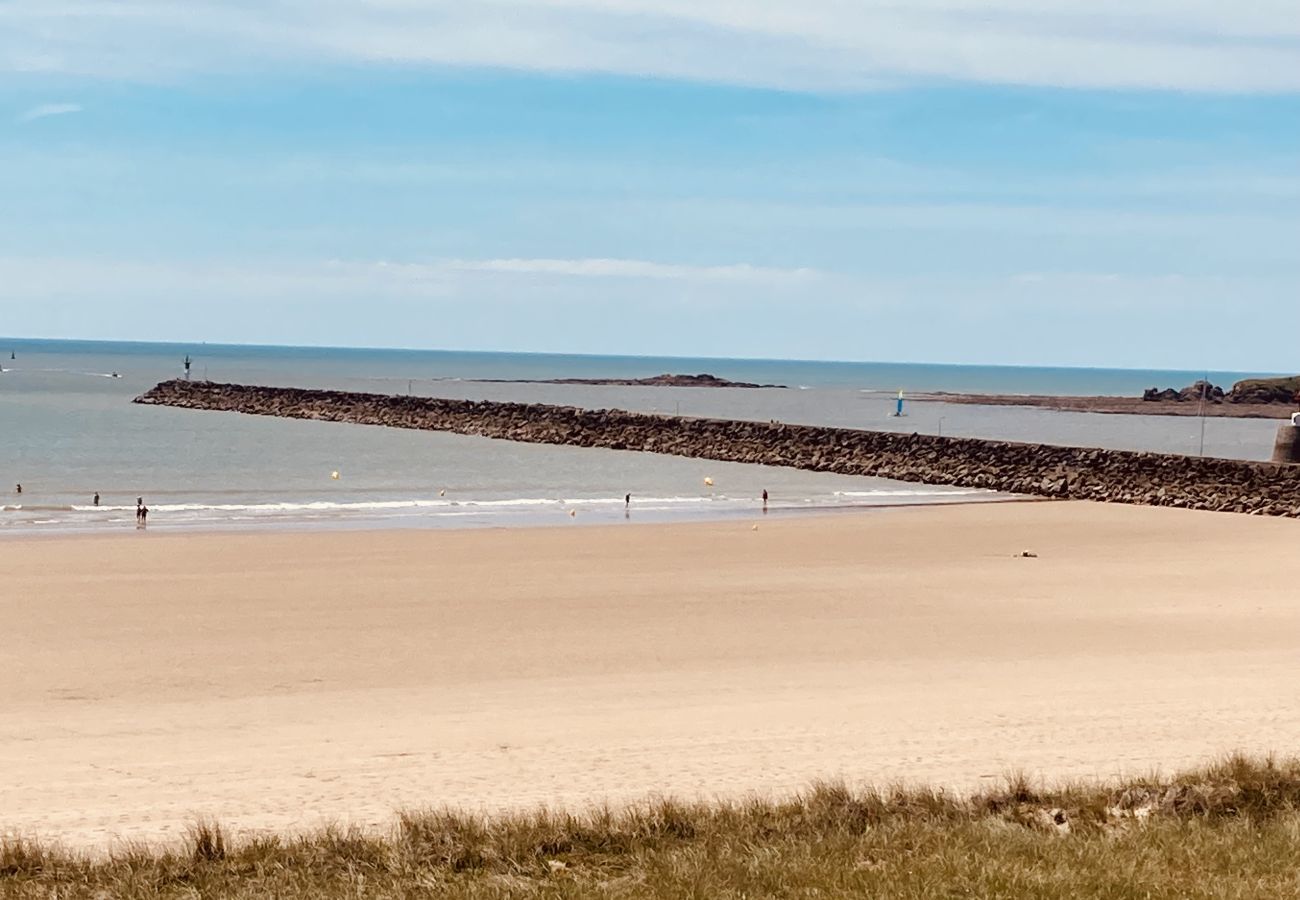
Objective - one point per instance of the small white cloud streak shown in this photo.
(51, 276)
(627, 268)
(1190, 45)
(48, 110)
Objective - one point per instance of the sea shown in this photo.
(69, 430)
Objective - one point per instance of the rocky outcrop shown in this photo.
(1252, 392)
(1202, 390)
(1038, 469)
(1193, 392)
(667, 380)
(1266, 390)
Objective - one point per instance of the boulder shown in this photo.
(1200, 389)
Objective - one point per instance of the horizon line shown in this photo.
(637, 356)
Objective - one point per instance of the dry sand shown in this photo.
(285, 681)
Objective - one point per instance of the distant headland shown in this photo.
(1256, 398)
(665, 380)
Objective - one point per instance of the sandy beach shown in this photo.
(279, 681)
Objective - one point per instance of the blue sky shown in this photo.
(1064, 182)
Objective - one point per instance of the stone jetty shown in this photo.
(1044, 470)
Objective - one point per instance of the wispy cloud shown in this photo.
(438, 277)
(48, 110)
(1198, 45)
(627, 268)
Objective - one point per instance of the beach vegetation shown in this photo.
(1230, 830)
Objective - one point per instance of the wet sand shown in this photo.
(283, 681)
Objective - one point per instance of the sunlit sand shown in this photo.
(281, 681)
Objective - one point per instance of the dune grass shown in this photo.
(1230, 830)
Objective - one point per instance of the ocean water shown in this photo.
(69, 430)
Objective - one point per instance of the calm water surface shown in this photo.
(68, 429)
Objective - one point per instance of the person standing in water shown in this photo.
(139, 505)
(18, 488)
(95, 501)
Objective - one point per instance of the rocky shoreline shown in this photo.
(1257, 398)
(1079, 473)
(1117, 406)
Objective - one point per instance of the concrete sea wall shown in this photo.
(1037, 469)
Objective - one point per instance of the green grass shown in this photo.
(1228, 831)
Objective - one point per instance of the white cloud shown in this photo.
(46, 110)
(1198, 45)
(50, 277)
(626, 268)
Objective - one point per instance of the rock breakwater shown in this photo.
(1079, 473)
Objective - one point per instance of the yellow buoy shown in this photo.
(334, 475)
(708, 482)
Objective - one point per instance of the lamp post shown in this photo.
(1205, 389)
